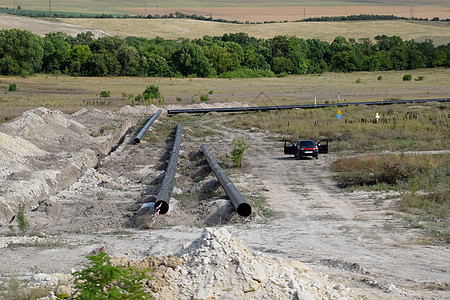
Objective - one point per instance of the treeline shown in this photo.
(231, 55)
(178, 15)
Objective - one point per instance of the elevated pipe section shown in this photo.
(304, 106)
(165, 192)
(239, 203)
(150, 121)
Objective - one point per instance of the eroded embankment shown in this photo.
(43, 151)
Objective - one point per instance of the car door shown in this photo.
(289, 147)
(322, 145)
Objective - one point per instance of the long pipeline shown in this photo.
(150, 121)
(165, 192)
(239, 203)
(302, 106)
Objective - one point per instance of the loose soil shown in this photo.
(84, 184)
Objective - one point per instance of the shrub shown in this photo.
(211, 92)
(407, 77)
(358, 80)
(105, 94)
(179, 99)
(380, 77)
(12, 87)
(151, 92)
(237, 154)
(101, 280)
(204, 98)
(21, 220)
(419, 78)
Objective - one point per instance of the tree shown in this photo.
(191, 60)
(56, 52)
(21, 52)
(128, 58)
(102, 64)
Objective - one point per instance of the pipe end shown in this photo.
(137, 140)
(164, 206)
(244, 209)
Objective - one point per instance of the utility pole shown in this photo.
(50, 7)
(14, 6)
(304, 13)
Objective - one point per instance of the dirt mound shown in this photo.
(217, 266)
(43, 151)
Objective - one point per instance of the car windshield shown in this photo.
(307, 144)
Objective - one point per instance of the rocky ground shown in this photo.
(84, 184)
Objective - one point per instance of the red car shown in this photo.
(306, 148)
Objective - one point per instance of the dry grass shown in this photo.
(72, 93)
(439, 32)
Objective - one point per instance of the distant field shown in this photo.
(439, 32)
(253, 10)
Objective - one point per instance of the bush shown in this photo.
(204, 98)
(358, 80)
(380, 77)
(21, 220)
(237, 155)
(101, 280)
(12, 87)
(407, 77)
(105, 94)
(151, 92)
(419, 78)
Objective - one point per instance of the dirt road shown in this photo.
(357, 238)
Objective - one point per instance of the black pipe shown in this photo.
(165, 192)
(239, 203)
(303, 106)
(150, 121)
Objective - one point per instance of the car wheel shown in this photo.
(317, 156)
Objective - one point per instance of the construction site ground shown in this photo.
(357, 238)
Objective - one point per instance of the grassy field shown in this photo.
(439, 32)
(72, 93)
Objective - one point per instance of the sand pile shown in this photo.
(217, 266)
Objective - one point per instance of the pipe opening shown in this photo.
(164, 206)
(244, 209)
(137, 140)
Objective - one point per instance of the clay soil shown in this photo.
(356, 238)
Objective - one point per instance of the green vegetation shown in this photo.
(237, 154)
(422, 180)
(407, 77)
(23, 223)
(101, 280)
(105, 94)
(230, 55)
(12, 87)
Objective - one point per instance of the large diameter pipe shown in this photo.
(242, 207)
(150, 121)
(163, 199)
(300, 106)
